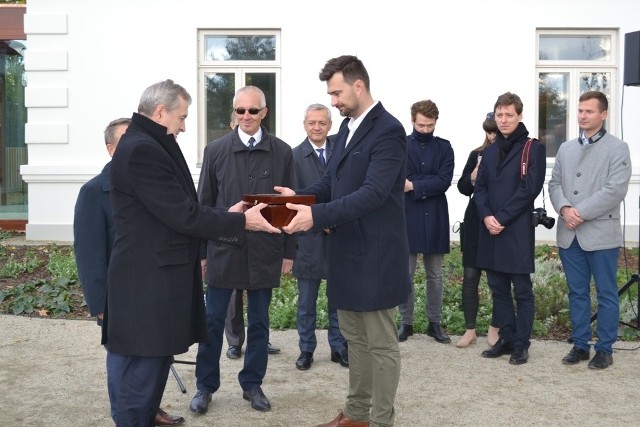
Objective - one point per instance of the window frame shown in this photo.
(240, 69)
(575, 68)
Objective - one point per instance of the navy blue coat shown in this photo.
(430, 168)
(311, 259)
(155, 303)
(361, 199)
(93, 233)
(499, 191)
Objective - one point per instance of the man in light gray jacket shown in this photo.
(589, 181)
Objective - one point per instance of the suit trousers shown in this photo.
(433, 269)
(307, 317)
(115, 364)
(234, 323)
(255, 358)
(515, 329)
(374, 364)
(141, 386)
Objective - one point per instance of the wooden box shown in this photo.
(277, 213)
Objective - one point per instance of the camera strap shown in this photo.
(524, 158)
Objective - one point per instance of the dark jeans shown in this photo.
(255, 358)
(470, 298)
(307, 316)
(515, 329)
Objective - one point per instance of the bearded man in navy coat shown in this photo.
(360, 199)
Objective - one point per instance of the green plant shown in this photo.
(14, 268)
(62, 264)
(49, 298)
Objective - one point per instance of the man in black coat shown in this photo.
(510, 177)
(247, 161)
(311, 265)
(155, 304)
(93, 233)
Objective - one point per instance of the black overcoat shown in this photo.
(501, 192)
(155, 304)
(229, 170)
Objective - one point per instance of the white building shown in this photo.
(87, 62)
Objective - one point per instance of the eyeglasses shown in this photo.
(252, 111)
(490, 115)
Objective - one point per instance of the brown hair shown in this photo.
(507, 99)
(350, 66)
(427, 108)
(489, 125)
(603, 102)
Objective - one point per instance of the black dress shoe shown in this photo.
(520, 356)
(200, 402)
(164, 419)
(304, 361)
(234, 352)
(405, 332)
(498, 349)
(258, 400)
(601, 360)
(575, 356)
(272, 350)
(434, 330)
(341, 357)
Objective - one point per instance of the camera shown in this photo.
(539, 216)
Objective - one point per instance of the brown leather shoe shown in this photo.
(342, 421)
(164, 419)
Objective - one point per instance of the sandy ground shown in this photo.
(52, 373)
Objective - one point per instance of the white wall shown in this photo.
(88, 62)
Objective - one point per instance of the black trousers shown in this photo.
(470, 298)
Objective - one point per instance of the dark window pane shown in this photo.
(240, 48)
(552, 110)
(220, 89)
(266, 82)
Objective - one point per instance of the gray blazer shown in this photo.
(594, 179)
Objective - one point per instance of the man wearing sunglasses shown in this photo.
(248, 160)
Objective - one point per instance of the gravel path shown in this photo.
(52, 374)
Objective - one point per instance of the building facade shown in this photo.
(87, 63)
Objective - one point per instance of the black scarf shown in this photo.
(506, 144)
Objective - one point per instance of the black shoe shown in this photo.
(258, 400)
(520, 356)
(200, 402)
(234, 352)
(341, 357)
(601, 360)
(575, 356)
(405, 332)
(304, 361)
(498, 349)
(272, 350)
(434, 330)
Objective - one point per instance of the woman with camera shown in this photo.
(469, 243)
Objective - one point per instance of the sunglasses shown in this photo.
(252, 111)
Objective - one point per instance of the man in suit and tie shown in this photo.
(155, 306)
(311, 264)
(360, 199)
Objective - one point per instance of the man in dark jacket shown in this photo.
(93, 234)
(311, 264)
(247, 161)
(155, 304)
(360, 199)
(429, 173)
(509, 179)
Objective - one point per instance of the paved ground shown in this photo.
(52, 374)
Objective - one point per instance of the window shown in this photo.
(569, 63)
(227, 61)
